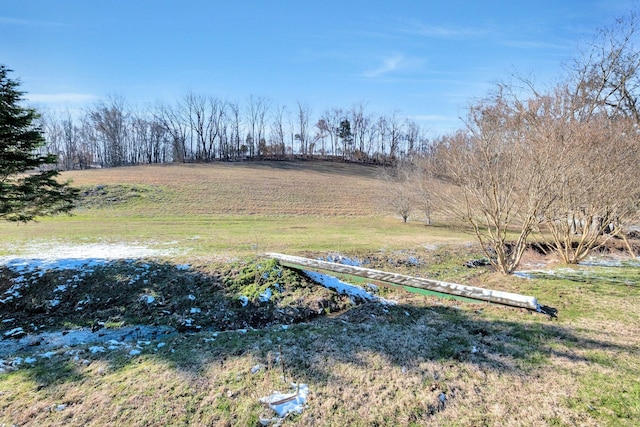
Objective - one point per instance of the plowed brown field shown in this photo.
(261, 188)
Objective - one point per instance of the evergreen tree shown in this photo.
(344, 132)
(28, 188)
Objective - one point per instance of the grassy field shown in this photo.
(231, 208)
(418, 361)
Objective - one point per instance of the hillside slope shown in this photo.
(261, 188)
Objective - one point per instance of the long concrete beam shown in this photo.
(410, 282)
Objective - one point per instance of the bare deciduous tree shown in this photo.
(605, 108)
(424, 184)
(302, 134)
(399, 198)
(597, 187)
(176, 122)
(500, 178)
(278, 132)
(396, 134)
(607, 75)
(330, 123)
(360, 126)
(257, 110)
(109, 119)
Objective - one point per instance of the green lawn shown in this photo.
(420, 361)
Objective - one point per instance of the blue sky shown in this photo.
(424, 58)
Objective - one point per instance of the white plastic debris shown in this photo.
(284, 404)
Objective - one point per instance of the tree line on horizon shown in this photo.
(201, 128)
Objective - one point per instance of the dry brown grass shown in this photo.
(254, 188)
(372, 365)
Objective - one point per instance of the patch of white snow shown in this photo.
(341, 287)
(149, 299)
(266, 295)
(14, 332)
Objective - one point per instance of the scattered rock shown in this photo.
(474, 263)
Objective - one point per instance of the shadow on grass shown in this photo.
(213, 327)
(334, 167)
(426, 334)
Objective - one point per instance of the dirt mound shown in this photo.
(119, 293)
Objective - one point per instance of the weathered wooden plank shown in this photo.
(384, 277)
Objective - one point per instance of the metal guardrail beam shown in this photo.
(415, 284)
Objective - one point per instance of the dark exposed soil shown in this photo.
(610, 246)
(123, 293)
(244, 294)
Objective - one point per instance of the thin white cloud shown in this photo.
(394, 63)
(6, 20)
(60, 98)
(434, 117)
(535, 44)
(415, 27)
(12, 21)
